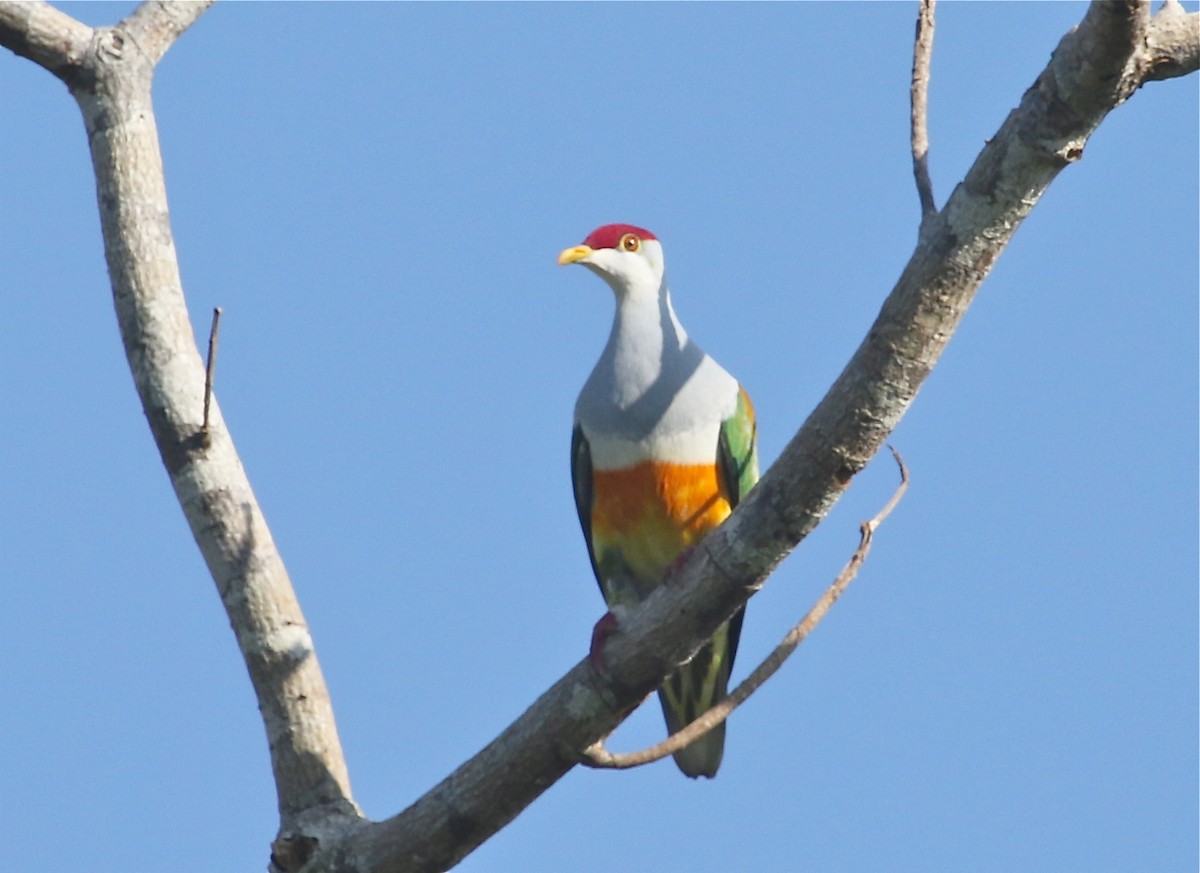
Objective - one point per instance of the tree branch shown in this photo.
(49, 38)
(210, 368)
(109, 71)
(155, 25)
(1172, 44)
(919, 99)
(600, 758)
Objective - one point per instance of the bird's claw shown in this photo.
(605, 628)
(675, 565)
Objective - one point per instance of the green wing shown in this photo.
(737, 460)
(737, 450)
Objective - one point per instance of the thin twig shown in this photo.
(919, 93)
(211, 366)
(599, 757)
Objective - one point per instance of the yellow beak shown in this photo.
(574, 254)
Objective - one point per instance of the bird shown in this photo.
(664, 446)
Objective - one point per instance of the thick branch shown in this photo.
(207, 474)
(49, 38)
(109, 71)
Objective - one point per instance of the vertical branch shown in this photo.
(919, 96)
(109, 71)
(209, 480)
(210, 367)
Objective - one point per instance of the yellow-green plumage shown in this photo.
(638, 520)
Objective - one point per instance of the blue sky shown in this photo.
(376, 195)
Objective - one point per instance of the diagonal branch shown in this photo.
(49, 38)
(599, 757)
(155, 25)
(1093, 70)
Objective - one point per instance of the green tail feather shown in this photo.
(691, 691)
(703, 757)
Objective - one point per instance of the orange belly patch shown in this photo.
(651, 512)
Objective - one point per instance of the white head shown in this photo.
(628, 258)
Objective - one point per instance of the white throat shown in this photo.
(646, 342)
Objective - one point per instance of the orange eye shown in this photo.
(629, 242)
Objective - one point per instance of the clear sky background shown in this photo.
(376, 195)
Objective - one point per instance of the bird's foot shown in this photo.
(674, 566)
(605, 628)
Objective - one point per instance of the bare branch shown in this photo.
(600, 758)
(919, 98)
(155, 25)
(109, 71)
(1172, 44)
(210, 483)
(210, 367)
(49, 38)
